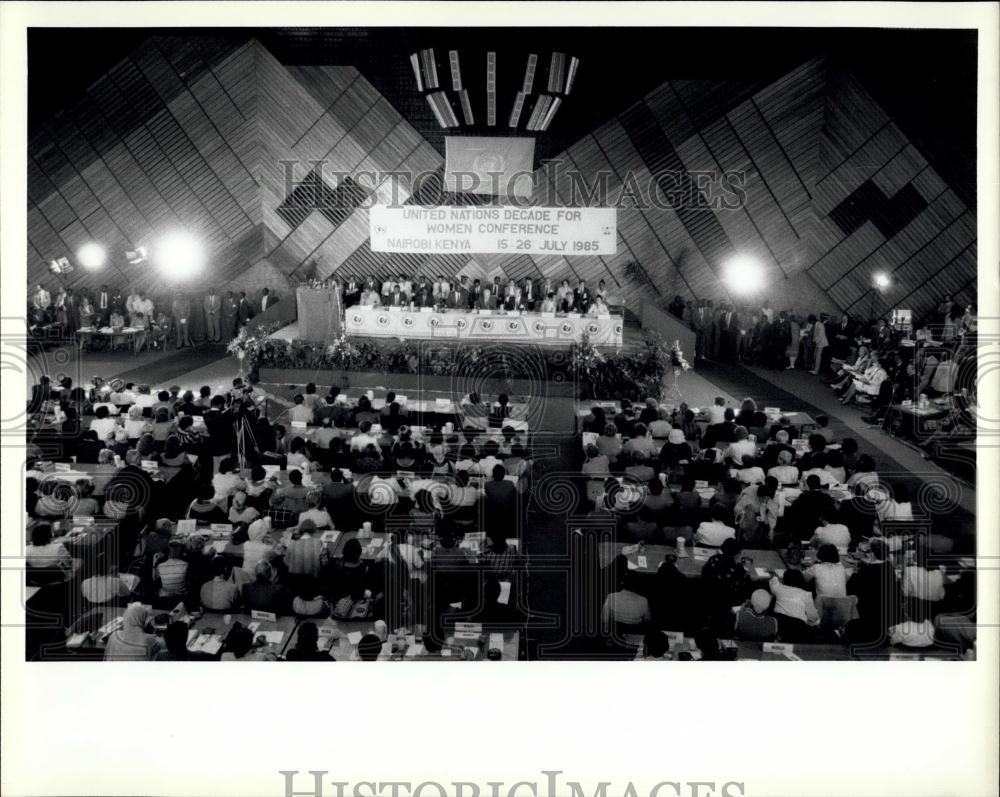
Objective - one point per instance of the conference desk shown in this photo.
(648, 558)
(86, 334)
(487, 326)
(802, 421)
(100, 475)
(340, 639)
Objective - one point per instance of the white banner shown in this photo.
(494, 230)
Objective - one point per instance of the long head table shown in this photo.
(431, 324)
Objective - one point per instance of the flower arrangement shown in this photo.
(677, 361)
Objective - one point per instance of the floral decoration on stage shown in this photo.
(677, 360)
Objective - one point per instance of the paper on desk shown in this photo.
(219, 546)
(273, 637)
(376, 542)
(762, 572)
(446, 652)
(632, 565)
(504, 593)
(642, 562)
(414, 650)
(76, 640)
(330, 536)
(253, 627)
(354, 637)
(496, 642)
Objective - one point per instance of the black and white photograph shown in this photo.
(436, 344)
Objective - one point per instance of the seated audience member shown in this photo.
(639, 468)
(726, 497)
(641, 442)
(757, 512)
(175, 641)
(173, 455)
(829, 533)
(835, 467)
(816, 455)
(204, 509)
(369, 647)
(609, 444)
(500, 557)
(302, 556)
(742, 447)
(320, 518)
(896, 507)
(828, 574)
(46, 560)
(134, 641)
(754, 623)
(923, 586)
(258, 546)
(864, 473)
(108, 585)
(794, 607)
(103, 424)
(715, 531)
(294, 494)
(880, 598)
(773, 450)
(785, 472)
(819, 470)
(227, 481)
(306, 645)
(707, 467)
(660, 425)
(300, 412)
(749, 473)
(670, 597)
(655, 646)
(726, 583)
(172, 574)
(89, 448)
(53, 499)
(308, 600)
(626, 609)
(823, 428)
(717, 411)
(298, 455)
(240, 512)
(221, 593)
(263, 595)
(676, 450)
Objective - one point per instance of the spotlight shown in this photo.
(179, 255)
(60, 265)
(136, 256)
(744, 274)
(881, 280)
(91, 255)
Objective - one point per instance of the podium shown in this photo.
(320, 313)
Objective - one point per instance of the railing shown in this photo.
(283, 312)
(669, 326)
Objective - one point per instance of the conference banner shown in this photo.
(494, 230)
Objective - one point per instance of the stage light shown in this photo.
(881, 281)
(91, 255)
(136, 256)
(179, 255)
(744, 274)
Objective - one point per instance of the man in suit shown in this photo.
(458, 298)
(102, 307)
(486, 301)
(424, 295)
(117, 301)
(338, 498)
(441, 288)
(212, 305)
(699, 323)
(229, 313)
(582, 298)
(221, 431)
(182, 320)
(69, 307)
(728, 326)
(266, 299)
(529, 293)
(475, 294)
(352, 291)
(244, 311)
(397, 298)
(842, 338)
